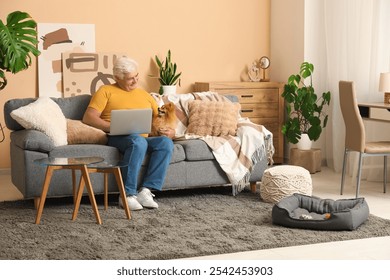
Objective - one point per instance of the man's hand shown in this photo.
(168, 132)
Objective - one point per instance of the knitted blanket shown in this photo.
(235, 154)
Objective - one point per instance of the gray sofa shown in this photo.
(192, 164)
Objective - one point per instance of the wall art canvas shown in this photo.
(85, 72)
(55, 39)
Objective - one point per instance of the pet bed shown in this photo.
(306, 212)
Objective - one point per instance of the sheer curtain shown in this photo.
(356, 40)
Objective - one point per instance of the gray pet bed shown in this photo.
(306, 212)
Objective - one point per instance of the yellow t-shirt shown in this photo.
(112, 97)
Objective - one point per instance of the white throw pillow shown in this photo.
(44, 115)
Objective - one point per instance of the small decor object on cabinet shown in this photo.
(254, 72)
(264, 64)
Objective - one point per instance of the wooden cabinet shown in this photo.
(260, 102)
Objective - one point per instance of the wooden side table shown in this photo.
(105, 168)
(77, 163)
(308, 159)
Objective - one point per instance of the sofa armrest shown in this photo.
(33, 140)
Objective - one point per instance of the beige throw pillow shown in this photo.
(215, 118)
(80, 133)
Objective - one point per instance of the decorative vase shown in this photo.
(169, 90)
(304, 143)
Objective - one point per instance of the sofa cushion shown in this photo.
(80, 150)
(196, 149)
(80, 133)
(178, 153)
(43, 115)
(73, 107)
(213, 118)
(32, 140)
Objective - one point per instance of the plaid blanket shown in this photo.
(235, 154)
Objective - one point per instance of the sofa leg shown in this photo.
(253, 186)
(36, 202)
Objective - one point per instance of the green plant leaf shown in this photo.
(326, 97)
(167, 71)
(3, 80)
(17, 42)
(294, 80)
(289, 93)
(159, 64)
(291, 129)
(325, 121)
(306, 69)
(314, 132)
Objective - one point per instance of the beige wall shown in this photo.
(286, 43)
(210, 40)
(287, 37)
(294, 38)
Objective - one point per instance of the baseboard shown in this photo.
(5, 171)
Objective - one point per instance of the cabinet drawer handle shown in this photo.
(247, 110)
(247, 95)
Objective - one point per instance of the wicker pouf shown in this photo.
(284, 180)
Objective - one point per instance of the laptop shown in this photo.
(130, 121)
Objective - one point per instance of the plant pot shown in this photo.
(304, 143)
(169, 90)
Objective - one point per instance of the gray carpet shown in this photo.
(187, 223)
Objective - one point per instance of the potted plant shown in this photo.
(168, 77)
(18, 40)
(305, 110)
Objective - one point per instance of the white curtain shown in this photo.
(355, 46)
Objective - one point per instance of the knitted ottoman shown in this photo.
(284, 180)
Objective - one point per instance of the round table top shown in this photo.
(71, 161)
(108, 164)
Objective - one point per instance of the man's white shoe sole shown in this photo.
(133, 206)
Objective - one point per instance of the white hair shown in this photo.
(124, 65)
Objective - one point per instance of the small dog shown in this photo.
(166, 118)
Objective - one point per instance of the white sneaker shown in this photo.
(132, 202)
(145, 198)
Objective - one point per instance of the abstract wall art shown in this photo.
(55, 39)
(84, 73)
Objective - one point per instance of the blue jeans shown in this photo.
(134, 148)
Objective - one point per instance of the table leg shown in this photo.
(45, 188)
(78, 198)
(253, 187)
(118, 177)
(91, 195)
(74, 184)
(105, 190)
